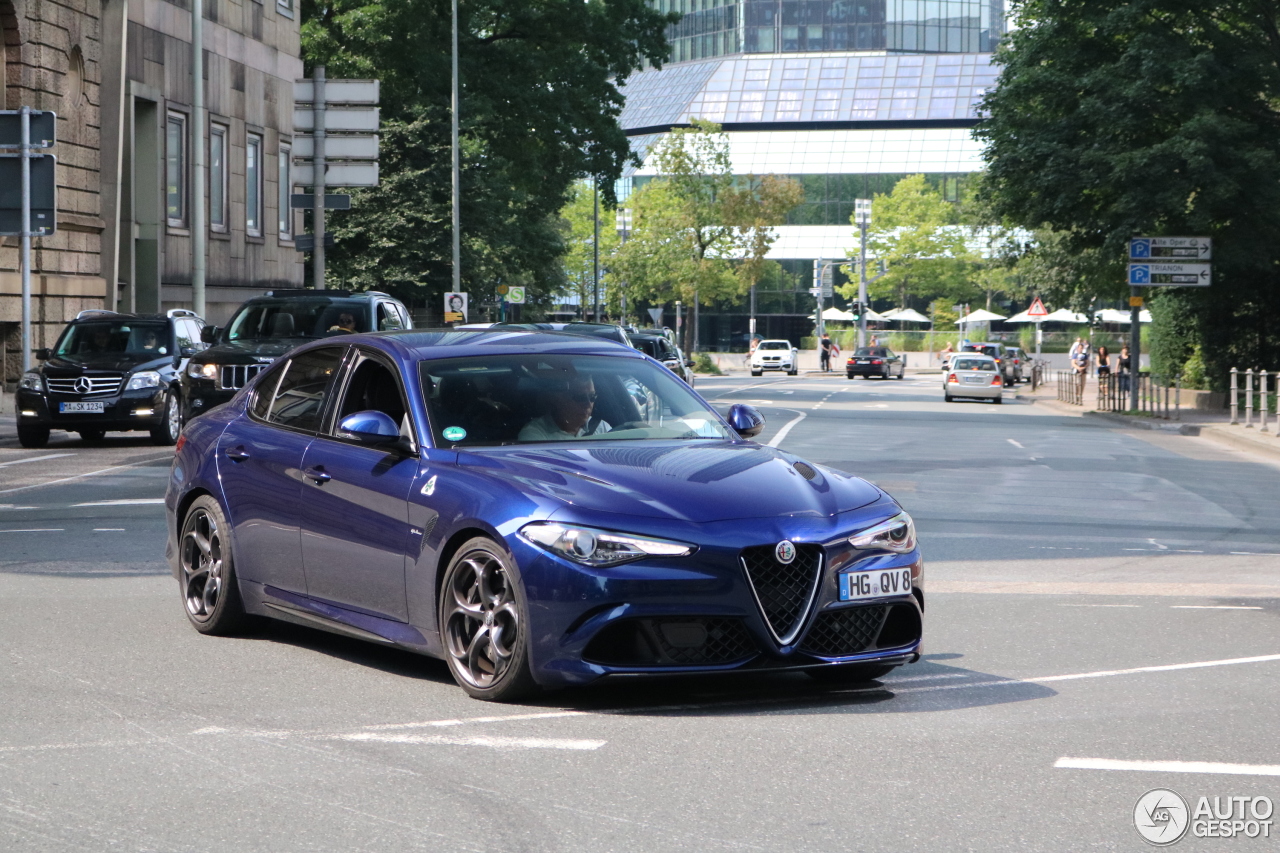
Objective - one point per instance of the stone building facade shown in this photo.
(118, 74)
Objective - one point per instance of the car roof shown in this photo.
(99, 316)
(973, 355)
(423, 344)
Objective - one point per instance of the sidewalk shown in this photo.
(1214, 425)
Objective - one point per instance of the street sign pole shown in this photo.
(862, 210)
(26, 239)
(1135, 345)
(317, 187)
(199, 236)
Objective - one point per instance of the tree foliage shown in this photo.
(697, 232)
(539, 103)
(578, 219)
(915, 236)
(1115, 118)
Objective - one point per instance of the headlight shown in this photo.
(145, 379)
(897, 534)
(202, 371)
(600, 548)
(32, 382)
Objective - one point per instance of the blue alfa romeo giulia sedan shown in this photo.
(537, 509)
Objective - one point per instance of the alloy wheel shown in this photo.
(201, 562)
(173, 416)
(482, 621)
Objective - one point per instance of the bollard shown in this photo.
(1166, 398)
(1248, 398)
(1234, 418)
(1177, 398)
(1262, 391)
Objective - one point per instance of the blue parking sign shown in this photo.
(1139, 274)
(1139, 248)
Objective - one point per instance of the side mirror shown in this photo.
(187, 352)
(745, 420)
(209, 334)
(43, 353)
(370, 427)
(688, 362)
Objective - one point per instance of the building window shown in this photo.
(285, 7)
(253, 185)
(218, 177)
(175, 191)
(284, 192)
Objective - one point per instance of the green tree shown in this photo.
(915, 237)
(539, 102)
(698, 233)
(578, 219)
(1115, 118)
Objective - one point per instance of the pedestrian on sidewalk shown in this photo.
(1104, 363)
(1080, 361)
(824, 356)
(1124, 365)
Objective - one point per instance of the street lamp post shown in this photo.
(862, 215)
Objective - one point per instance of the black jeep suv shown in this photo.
(109, 372)
(266, 327)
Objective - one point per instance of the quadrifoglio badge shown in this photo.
(1162, 817)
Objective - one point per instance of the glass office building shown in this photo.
(845, 96)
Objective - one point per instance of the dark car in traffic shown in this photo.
(266, 327)
(539, 510)
(657, 346)
(109, 372)
(999, 352)
(875, 361)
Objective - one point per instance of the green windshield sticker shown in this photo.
(454, 433)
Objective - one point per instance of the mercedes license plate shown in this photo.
(93, 408)
(858, 585)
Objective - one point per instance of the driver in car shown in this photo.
(569, 416)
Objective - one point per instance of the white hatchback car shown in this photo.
(973, 375)
(775, 355)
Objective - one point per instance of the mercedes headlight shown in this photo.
(196, 370)
(897, 534)
(32, 382)
(591, 546)
(144, 379)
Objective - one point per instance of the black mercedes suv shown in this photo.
(109, 372)
(266, 327)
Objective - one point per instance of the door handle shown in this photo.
(317, 475)
(237, 453)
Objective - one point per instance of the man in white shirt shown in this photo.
(570, 415)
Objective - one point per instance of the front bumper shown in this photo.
(201, 395)
(699, 614)
(772, 365)
(129, 410)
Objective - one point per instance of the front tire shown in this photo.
(206, 576)
(850, 673)
(33, 436)
(947, 398)
(484, 623)
(167, 432)
(998, 400)
(757, 373)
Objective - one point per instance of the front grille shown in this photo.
(672, 641)
(837, 633)
(233, 377)
(784, 591)
(108, 383)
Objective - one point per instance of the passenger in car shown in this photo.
(570, 412)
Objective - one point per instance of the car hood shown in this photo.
(113, 362)
(249, 352)
(699, 481)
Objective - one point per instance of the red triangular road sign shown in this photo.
(1037, 309)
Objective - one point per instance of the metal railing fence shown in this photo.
(1158, 396)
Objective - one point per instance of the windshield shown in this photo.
(974, 364)
(518, 399)
(774, 345)
(297, 318)
(871, 351)
(117, 337)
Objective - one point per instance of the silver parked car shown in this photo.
(973, 375)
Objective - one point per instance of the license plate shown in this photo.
(864, 361)
(93, 408)
(858, 585)
(975, 379)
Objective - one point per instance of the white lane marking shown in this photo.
(1169, 766)
(475, 740)
(1106, 673)
(462, 721)
(108, 530)
(125, 502)
(1015, 444)
(786, 428)
(35, 530)
(35, 459)
(1212, 607)
(81, 476)
(1159, 547)
(1100, 605)
(877, 406)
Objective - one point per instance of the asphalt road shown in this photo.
(1095, 598)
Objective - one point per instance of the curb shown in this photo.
(1146, 423)
(1226, 435)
